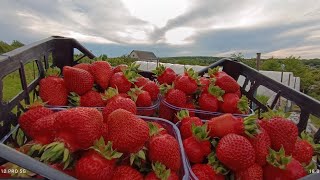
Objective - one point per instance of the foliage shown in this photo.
(5, 47)
(237, 57)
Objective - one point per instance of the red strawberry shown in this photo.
(52, 89)
(123, 80)
(233, 104)
(188, 82)
(159, 148)
(205, 83)
(190, 106)
(254, 172)
(198, 146)
(164, 75)
(305, 149)
(174, 97)
(141, 97)
(153, 89)
(238, 93)
(160, 172)
(84, 66)
(118, 103)
(120, 68)
(282, 167)
(97, 164)
(141, 81)
(77, 80)
(261, 143)
(282, 132)
(4, 173)
(102, 72)
(210, 101)
(69, 171)
(227, 124)
(75, 129)
(89, 99)
(127, 131)
(224, 81)
(166, 112)
(34, 113)
(235, 152)
(126, 173)
(187, 122)
(205, 172)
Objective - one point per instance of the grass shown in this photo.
(315, 121)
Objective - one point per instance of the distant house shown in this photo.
(143, 55)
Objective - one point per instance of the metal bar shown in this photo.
(276, 98)
(80, 58)
(303, 122)
(24, 83)
(31, 164)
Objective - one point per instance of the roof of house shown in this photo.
(145, 54)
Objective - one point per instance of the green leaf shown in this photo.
(20, 137)
(66, 155)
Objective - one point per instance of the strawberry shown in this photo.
(35, 112)
(98, 163)
(188, 82)
(69, 171)
(123, 80)
(233, 104)
(166, 112)
(120, 68)
(164, 75)
(161, 172)
(102, 72)
(89, 99)
(159, 148)
(238, 93)
(198, 146)
(127, 131)
(3, 173)
(118, 102)
(75, 129)
(226, 124)
(191, 107)
(282, 131)
(210, 101)
(281, 166)
(84, 66)
(205, 83)
(52, 89)
(186, 123)
(261, 144)
(254, 172)
(205, 172)
(153, 89)
(305, 148)
(235, 152)
(77, 80)
(112, 93)
(140, 97)
(141, 81)
(174, 97)
(126, 173)
(224, 81)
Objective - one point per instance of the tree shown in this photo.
(237, 57)
(16, 44)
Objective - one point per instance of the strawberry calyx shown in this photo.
(56, 152)
(216, 92)
(200, 132)
(133, 67)
(161, 171)
(278, 159)
(217, 166)
(213, 71)
(159, 70)
(36, 104)
(74, 99)
(250, 126)
(105, 150)
(164, 88)
(138, 158)
(53, 72)
(191, 73)
(153, 129)
(39, 148)
(130, 75)
(18, 172)
(273, 114)
(135, 92)
(311, 167)
(110, 93)
(243, 105)
(183, 114)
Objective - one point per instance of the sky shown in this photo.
(170, 27)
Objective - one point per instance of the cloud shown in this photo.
(169, 28)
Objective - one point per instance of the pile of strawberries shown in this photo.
(248, 148)
(82, 143)
(218, 92)
(93, 85)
